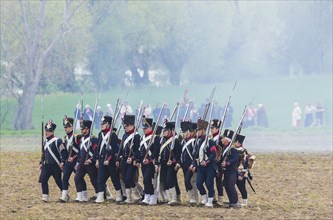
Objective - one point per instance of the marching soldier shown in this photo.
(230, 164)
(129, 150)
(86, 163)
(186, 158)
(50, 161)
(205, 156)
(106, 160)
(246, 161)
(169, 160)
(69, 156)
(215, 130)
(147, 160)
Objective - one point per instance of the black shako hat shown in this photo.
(240, 138)
(128, 120)
(158, 129)
(228, 133)
(193, 126)
(147, 122)
(169, 125)
(50, 126)
(186, 126)
(85, 124)
(106, 119)
(215, 123)
(67, 122)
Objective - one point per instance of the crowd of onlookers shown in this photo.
(189, 111)
(313, 115)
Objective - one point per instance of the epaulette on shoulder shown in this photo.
(93, 136)
(77, 137)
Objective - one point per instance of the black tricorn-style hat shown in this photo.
(50, 126)
(67, 122)
(169, 125)
(106, 119)
(201, 124)
(129, 120)
(158, 129)
(185, 126)
(193, 126)
(215, 123)
(228, 133)
(147, 122)
(85, 124)
(240, 138)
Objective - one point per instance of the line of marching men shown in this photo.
(160, 157)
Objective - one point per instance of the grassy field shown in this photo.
(289, 186)
(277, 95)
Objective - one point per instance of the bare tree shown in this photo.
(35, 54)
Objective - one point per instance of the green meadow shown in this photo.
(277, 96)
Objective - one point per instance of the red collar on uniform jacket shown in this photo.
(130, 132)
(149, 134)
(70, 134)
(49, 138)
(106, 130)
(189, 138)
(203, 136)
(216, 133)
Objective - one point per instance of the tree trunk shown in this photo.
(23, 119)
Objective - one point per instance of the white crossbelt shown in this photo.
(47, 147)
(128, 139)
(202, 154)
(185, 147)
(105, 140)
(69, 142)
(83, 145)
(143, 143)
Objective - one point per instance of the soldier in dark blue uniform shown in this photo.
(69, 156)
(215, 130)
(243, 168)
(106, 160)
(86, 162)
(129, 153)
(186, 158)
(51, 158)
(205, 156)
(230, 164)
(169, 161)
(147, 160)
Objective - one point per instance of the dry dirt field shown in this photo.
(288, 185)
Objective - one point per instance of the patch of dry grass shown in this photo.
(289, 186)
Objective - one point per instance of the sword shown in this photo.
(250, 185)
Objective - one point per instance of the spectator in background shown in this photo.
(109, 110)
(309, 110)
(148, 111)
(262, 120)
(77, 116)
(194, 114)
(98, 118)
(249, 117)
(320, 114)
(88, 114)
(296, 116)
(156, 112)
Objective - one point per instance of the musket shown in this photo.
(92, 123)
(239, 127)
(121, 144)
(42, 140)
(209, 103)
(74, 125)
(114, 121)
(206, 143)
(226, 110)
(187, 110)
(174, 133)
(154, 132)
(138, 122)
(174, 111)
